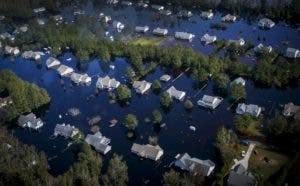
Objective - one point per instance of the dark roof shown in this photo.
(236, 179)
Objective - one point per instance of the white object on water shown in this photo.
(60, 116)
(193, 128)
(69, 59)
(112, 67)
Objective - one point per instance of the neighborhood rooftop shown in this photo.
(173, 92)
(107, 83)
(210, 102)
(99, 142)
(147, 151)
(141, 86)
(253, 110)
(66, 131)
(30, 121)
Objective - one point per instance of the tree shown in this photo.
(221, 81)
(278, 125)
(188, 105)
(156, 85)
(165, 100)
(153, 140)
(117, 172)
(123, 93)
(171, 178)
(246, 124)
(157, 117)
(237, 91)
(131, 122)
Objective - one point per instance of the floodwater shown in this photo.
(175, 137)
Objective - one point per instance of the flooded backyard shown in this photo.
(175, 137)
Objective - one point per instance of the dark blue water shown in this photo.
(176, 137)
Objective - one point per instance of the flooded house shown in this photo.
(147, 151)
(126, 3)
(2, 17)
(184, 36)
(11, 50)
(165, 78)
(64, 70)
(104, 18)
(266, 23)
(165, 12)
(39, 10)
(207, 14)
(81, 78)
(292, 53)
(157, 7)
(239, 80)
(177, 94)
(107, 83)
(52, 62)
(239, 176)
(291, 110)
(184, 14)
(23, 28)
(253, 110)
(112, 2)
(160, 31)
(66, 131)
(142, 29)
(99, 142)
(238, 42)
(142, 4)
(78, 12)
(141, 87)
(40, 21)
(260, 47)
(30, 121)
(194, 165)
(7, 35)
(208, 39)
(31, 55)
(118, 25)
(229, 18)
(210, 102)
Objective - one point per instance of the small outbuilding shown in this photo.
(160, 31)
(208, 39)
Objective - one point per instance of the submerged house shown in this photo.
(40, 21)
(107, 83)
(193, 165)
(239, 176)
(64, 70)
(165, 78)
(57, 18)
(30, 121)
(99, 142)
(104, 18)
(184, 14)
(147, 151)
(266, 23)
(142, 29)
(291, 110)
(141, 86)
(118, 25)
(253, 110)
(157, 7)
(177, 94)
(160, 31)
(210, 102)
(7, 35)
(292, 53)
(12, 50)
(52, 62)
(165, 12)
(229, 18)
(31, 55)
(238, 42)
(184, 36)
(239, 80)
(23, 28)
(112, 2)
(207, 39)
(81, 78)
(39, 10)
(207, 14)
(260, 47)
(66, 131)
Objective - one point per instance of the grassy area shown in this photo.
(147, 41)
(265, 169)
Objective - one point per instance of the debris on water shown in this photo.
(95, 129)
(163, 125)
(69, 59)
(94, 120)
(59, 116)
(112, 67)
(113, 122)
(69, 144)
(74, 111)
(193, 128)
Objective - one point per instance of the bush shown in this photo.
(156, 85)
(188, 105)
(123, 93)
(237, 91)
(157, 117)
(166, 100)
(131, 122)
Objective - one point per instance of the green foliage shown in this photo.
(156, 85)
(153, 140)
(25, 96)
(117, 172)
(166, 100)
(123, 93)
(131, 122)
(174, 178)
(188, 105)
(237, 91)
(247, 125)
(157, 117)
(221, 81)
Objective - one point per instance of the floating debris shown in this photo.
(113, 122)
(193, 128)
(59, 116)
(74, 111)
(69, 59)
(95, 120)
(95, 129)
(163, 125)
